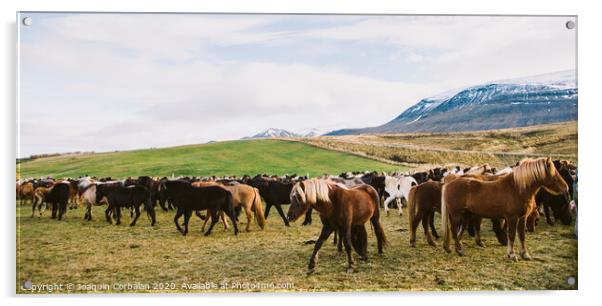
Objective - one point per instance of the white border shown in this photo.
(589, 145)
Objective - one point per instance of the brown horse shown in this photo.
(423, 201)
(343, 209)
(243, 196)
(510, 197)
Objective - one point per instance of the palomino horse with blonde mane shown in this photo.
(245, 197)
(343, 209)
(511, 197)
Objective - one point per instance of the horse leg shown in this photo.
(205, 222)
(249, 214)
(176, 219)
(137, 211)
(214, 220)
(62, 209)
(281, 213)
(346, 233)
(477, 228)
(432, 225)
(499, 228)
(109, 219)
(522, 222)
(307, 220)
(456, 225)
(42, 209)
(224, 220)
(54, 209)
(425, 225)
(399, 205)
(232, 215)
(324, 234)
(117, 215)
(33, 207)
(419, 215)
(268, 206)
(546, 210)
(511, 232)
(386, 205)
(187, 215)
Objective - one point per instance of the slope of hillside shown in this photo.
(501, 104)
(220, 158)
(499, 148)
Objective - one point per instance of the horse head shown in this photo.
(299, 205)
(553, 182)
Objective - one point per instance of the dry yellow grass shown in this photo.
(498, 148)
(96, 253)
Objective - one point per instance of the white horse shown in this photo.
(397, 188)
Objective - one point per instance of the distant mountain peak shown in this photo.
(538, 99)
(281, 133)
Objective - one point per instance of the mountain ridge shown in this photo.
(539, 99)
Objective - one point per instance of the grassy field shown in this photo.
(97, 253)
(107, 257)
(221, 158)
(499, 147)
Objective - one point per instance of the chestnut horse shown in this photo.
(343, 209)
(423, 201)
(511, 197)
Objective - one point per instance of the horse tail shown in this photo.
(258, 209)
(445, 219)
(359, 238)
(411, 210)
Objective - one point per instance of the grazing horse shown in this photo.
(397, 188)
(559, 205)
(341, 209)
(511, 197)
(119, 196)
(188, 198)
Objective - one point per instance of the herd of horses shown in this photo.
(512, 198)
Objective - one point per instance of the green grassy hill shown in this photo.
(220, 158)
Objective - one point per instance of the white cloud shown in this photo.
(128, 81)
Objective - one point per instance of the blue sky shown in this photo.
(122, 81)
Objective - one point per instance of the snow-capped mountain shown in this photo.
(274, 133)
(509, 103)
(280, 133)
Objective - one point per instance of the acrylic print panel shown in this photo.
(370, 138)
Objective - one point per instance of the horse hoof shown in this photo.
(349, 270)
(310, 271)
(413, 244)
(432, 243)
(512, 257)
(481, 244)
(447, 250)
(460, 253)
(525, 256)
(365, 258)
(287, 224)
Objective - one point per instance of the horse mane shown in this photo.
(529, 171)
(316, 190)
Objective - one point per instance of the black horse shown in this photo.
(119, 196)
(559, 204)
(188, 199)
(58, 196)
(276, 193)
